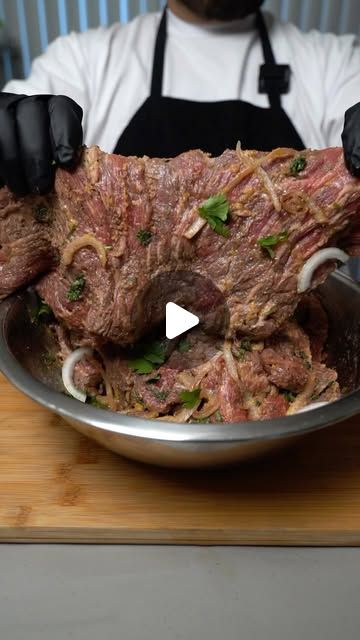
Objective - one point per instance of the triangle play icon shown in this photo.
(178, 320)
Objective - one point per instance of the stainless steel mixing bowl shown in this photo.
(24, 359)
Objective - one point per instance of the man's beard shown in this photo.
(223, 9)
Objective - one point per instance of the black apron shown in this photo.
(164, 127)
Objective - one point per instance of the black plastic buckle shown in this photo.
(274, 78)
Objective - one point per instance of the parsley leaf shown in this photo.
(215, 210)
(141, 365)
(148, 356)
(297, 165)
(268, 242)
(155, 352)
(144, 236)
(218, 416)
(184, 346)
(190, 399)
(42, 214)
(76, 289)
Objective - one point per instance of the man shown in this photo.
(204, 74)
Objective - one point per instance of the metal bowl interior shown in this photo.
(25, 359)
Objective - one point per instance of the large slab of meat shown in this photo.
(116, 226)
(116, 222)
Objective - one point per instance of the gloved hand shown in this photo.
(351, 139)
(36, 134)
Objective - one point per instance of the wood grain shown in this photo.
(56, 485)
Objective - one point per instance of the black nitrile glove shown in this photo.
(36, 134)
(351, 139)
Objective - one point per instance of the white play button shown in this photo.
(178, 320)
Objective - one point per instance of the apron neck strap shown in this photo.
(271, 88)
(159, 55)
(268, 53)
(270, 72)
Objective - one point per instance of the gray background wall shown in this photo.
(31, 24)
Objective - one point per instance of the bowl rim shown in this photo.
(150, 429)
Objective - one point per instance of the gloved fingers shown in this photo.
(11, 165)
(65, 129)
(351, 139)
(355, 162)
(34, 142)
(9, 100)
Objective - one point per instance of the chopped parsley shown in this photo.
(184, 346)
(215, 210)
(160, 395)
(245, 345)
(303, 356)
(48, 359)
(72, 227)
(190, 399)
(95, 402)
(138, 399)
(288, 395)
(297, 165)
(144, 236)
(44, 311)
(148, 357)
(268, 242)
(41, 313)
(76, 289)
(218, 416)
(153, 379)
(42, 214)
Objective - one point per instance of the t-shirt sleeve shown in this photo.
(61, 70)
(341, 83)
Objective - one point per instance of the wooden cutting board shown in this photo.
(57, 486)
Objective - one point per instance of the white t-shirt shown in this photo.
(108, 72)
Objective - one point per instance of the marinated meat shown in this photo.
(117, 223)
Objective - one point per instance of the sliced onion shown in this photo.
(303, 398)
(230, 361)
(86, 240)
(295, 203)
(68, 370)
(269, 187)
(194, 228)
(310, 266)
(183, 415)
(202, 370)
(208, 409)
(186, 379)
(255, 166)
(313, 405)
